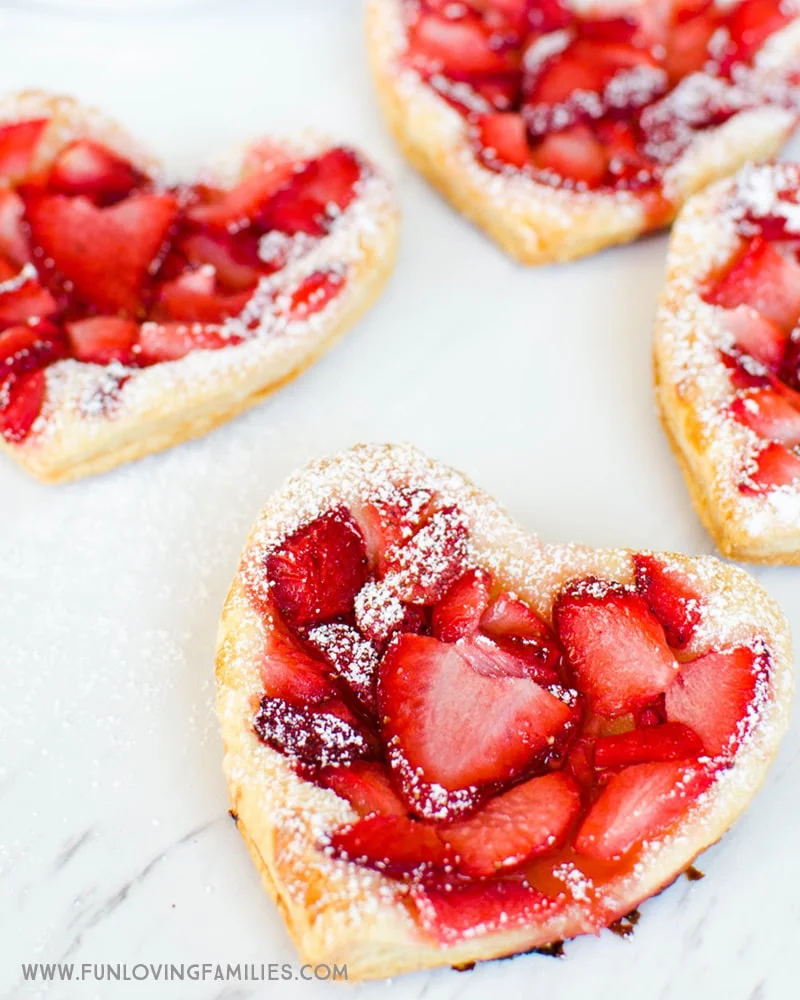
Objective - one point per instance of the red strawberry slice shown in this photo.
(388, 523)
(670, 597)
(574, 154)
(790, 366)
(173, 341)
(23, 404)
(422, 569)
(614, 644)
(24, 348)
(104, 252)
(100, 340)
(234, 259)
(750, 23)
(688, 41)
(193, 298)
(502, 136)
(289, 673)
(315, 195)
(394, 845)
(768, 414)
(315, 574)
(459, 612)
(13, 240)
(350, 658)
(507, 616)
(18, 143)
(639, 803)
(380, 614)
(456, 47)
(532, 818)
(313, 293)
(366, 786)
(450, 913)
(446, 724)
(239, 205)
(756, 336)
(775, 466)
(670, 741)
(326, 735)
(21, 298)
(507, 657)
(714, 695)
(762, 278)
(86, 168)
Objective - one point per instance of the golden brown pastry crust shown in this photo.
(534, 222)
(694, 392)
(340, 912)
(175, 401)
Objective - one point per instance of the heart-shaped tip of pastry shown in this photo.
(561, 127)
(135, 313)
(446, 741)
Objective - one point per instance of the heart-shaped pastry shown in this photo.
(563, 126)
(446, 741)
(135, 315)
(727, 358)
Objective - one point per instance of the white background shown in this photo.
(115, 844)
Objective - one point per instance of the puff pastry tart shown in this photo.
(446, 741)
(563, 126)
(727, 360)
(135, 315)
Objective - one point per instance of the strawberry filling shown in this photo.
(101, 265)
(757, 298)
(585, 100)
(497, 759)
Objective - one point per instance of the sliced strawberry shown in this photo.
(13, 240)
(234, 259)
(104, 252)
(324, 735)
(628, 165)
(24, 348)
(316, 572)
(23, 404)
(451, 913)
(421, 570)
(756, 336)
(670, 597)
(573, 154)
(670, 741)
(172, 341)
(18, 143)
(459, 612)
(289, 673)
(790, 365)
(769, 415)
(100, 340)
(313, 293)
(456, 47)
(380, 614)
(366, 786)
(394, 845)
(315, 195)
(507, 657)
(446, 724)
(508, 617)
(714, 696)
(762, 278)
(775, 466)
(614, 644)
(530, 819)
(239, 205)
(688, 41)
(750, 23)
(388, 523)
(23, 299)
(579, 763)
(86, 168)
(638, 804)
(503, 137)
(193, 298)
(349, 657)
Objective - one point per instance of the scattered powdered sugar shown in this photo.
(378, 609)
(767, 190)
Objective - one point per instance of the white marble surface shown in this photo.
(115, 843)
